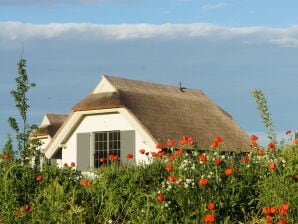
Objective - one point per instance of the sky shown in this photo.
(225, 48)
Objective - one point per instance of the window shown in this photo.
(105, 144)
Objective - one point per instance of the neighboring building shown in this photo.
(122, 116)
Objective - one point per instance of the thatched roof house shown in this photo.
(152, 113)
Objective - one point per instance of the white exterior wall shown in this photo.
(105, 122)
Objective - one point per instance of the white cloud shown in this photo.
(210, 7)
(85, 31)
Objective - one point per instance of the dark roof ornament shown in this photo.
(181, 88)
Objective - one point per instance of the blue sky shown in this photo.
(225, 48)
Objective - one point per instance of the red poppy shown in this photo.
(254, 144)
(171, 178)
(283, 212)
(266, 210)
(129, 156)
(160, 197)
(245, 159)
(202, 158)
(203, 181)
(182, 141)
(273, 210)
(159, 146)
(296, 140)
(254, 137)
(282, 221)
(170, 143)
(214, 144)
(269, 219)
(65, 165)
(27, 208)
(271, 146)
(288, 132)
(217, 162)
(89, 184)
(72, 164)
(17, 213)
(211, 206)
(39, 178)
(271, 166)
(219, 139)
(142, 151)
(169, 168)
(83, 182)
(228, 172)
(283, 209)
(171, 158)
(102, 160)
(5, 156)
(260, 152)
(209, 218)
(154, 154)
(179, 152)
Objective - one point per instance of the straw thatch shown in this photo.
(168, 112)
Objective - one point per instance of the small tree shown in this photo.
(265, 115)
(27, 148)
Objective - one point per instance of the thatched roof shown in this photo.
(51, 125)
(167, 112)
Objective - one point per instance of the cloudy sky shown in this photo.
(225, 48)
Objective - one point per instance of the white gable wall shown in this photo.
(114, 120)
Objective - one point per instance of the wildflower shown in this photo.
(182, 141)
(102, 160)
(169, 168)
(171, 158)
(288, 132)
(271, 146)
(27, 208)
(214, 144)
(254, 143)
(273, 210)
(271, 166)
(83, 182)
(209, 218)
(171, 178)
(129, 156)
(266, 210)
(219, 139)
(159, 146)
(170, 143)
(217, 162)
(228, 172)
(269, 219)
(260, 152)
(282, 221)
(211, 206)
(142, 151)
(89, 184)
(154, 154)
(283, 209)
(178, 180)
(17, 214)
(178, 152)
(5, 156)
(160, 197)
(296, 140)
(254, 137)
(72, 164)
(245, 159)
(65, 165)
(39, 178)
(202, 158)
(203, 181)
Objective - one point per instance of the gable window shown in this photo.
(105, 144)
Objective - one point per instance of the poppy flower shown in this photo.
(179, 152)
(89, 184)
(39, 178)
(159, 146)
(245, 159)
(202, 158)
(217, 162)
(271, 146)
(182, 141)
(27, 208)
(5, 156)
(273, 210)
(260, 152)
(17, 213)
(269, 219)
(266, 210)
(209, 218)
(129, 156)
(171, 178)
(154, 154)
(65, 165)
(271, 166)
(160, 197)
(142, 151)
(288, 132)
(228, 172)
(282, 221)
(284, 206)
(171, 158)
(214, 144)
(254, 137)
(83, 182)
(170, 143)
(203, 181)
(254, 144)
(169, 168)
(219, 139)
(102, 160)
(296, 140)
(211, 206)
(72, 164)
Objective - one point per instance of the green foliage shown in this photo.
(264, 113)
(27, 148)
